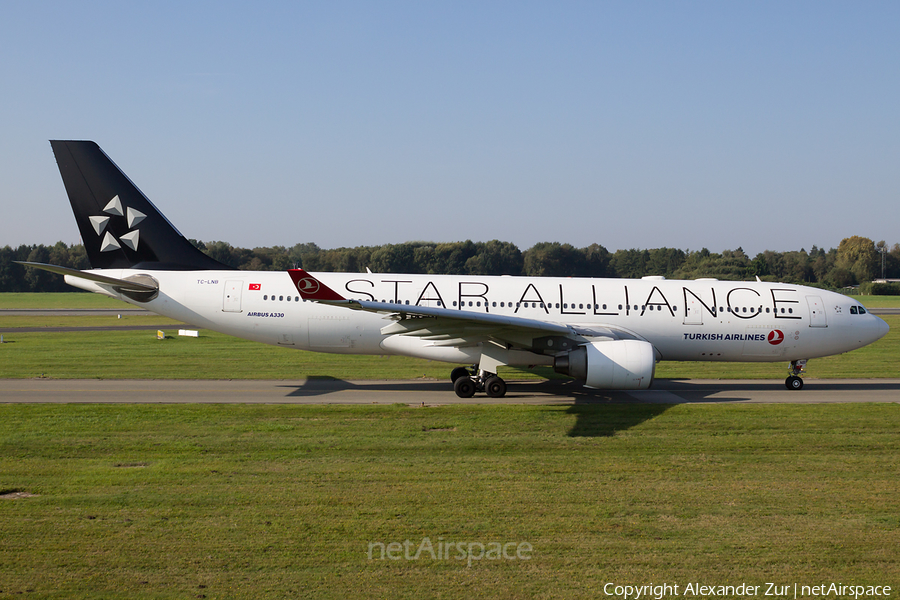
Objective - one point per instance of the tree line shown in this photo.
(856, 260)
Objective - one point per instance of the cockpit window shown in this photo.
(853, 310)
(862, 311)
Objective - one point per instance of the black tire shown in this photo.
(458, 372)
(793, 383)
(495, 387)
(464, 387)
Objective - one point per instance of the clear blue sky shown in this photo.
(765, 125)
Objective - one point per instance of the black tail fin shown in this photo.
(119, 226)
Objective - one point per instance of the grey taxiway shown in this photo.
(431, 392)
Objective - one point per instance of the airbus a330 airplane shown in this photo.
(609, 333)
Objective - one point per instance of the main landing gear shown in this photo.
(468, 381)
(794, 382)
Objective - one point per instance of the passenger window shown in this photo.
(266, 297)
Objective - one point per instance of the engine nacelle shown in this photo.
(613, 365)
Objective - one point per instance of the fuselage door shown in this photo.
(231, 301)
(817, 316)
(693, 314)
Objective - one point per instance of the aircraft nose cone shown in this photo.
(881, 328)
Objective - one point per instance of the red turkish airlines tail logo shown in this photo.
(307, 285)
(311, 288)
(775, 337)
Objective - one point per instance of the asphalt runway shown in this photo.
(337, 391)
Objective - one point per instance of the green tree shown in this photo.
(858, 256)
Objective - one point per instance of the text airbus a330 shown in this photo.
(609, 333)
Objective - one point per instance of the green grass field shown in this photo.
(139, 355)
(136, 501)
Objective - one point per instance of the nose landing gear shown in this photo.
(466, 382)
(794, 382)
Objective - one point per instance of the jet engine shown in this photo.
(611, 365)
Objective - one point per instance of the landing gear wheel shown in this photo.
(459, 372)
(793, 383)
(495, 387)
(464, 387)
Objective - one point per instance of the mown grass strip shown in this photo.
(9, 324)
(29, 300)
(285, 501)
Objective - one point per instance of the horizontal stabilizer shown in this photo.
(122, 285)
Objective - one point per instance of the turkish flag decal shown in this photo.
(255, 286)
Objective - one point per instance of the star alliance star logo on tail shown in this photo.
(115, 209)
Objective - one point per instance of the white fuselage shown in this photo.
(701, 320)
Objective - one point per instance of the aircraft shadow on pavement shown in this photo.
(321, 385)
(601, 413)
(598, 413)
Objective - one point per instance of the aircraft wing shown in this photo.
(450, 327)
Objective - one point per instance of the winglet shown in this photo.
(311, 288)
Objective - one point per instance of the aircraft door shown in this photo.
(817, 316)
(231, 301)
(693, 314)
